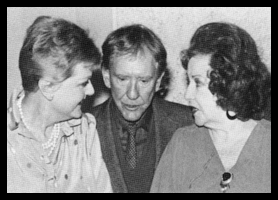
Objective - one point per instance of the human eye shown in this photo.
(84, 84)
(121, 78)
(198, 82)
(145, 81)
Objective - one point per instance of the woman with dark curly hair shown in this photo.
(228, 89)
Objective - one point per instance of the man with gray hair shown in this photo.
(135, 123)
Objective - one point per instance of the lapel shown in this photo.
(165, 126)
(104, 126)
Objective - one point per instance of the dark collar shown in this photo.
(162, 130)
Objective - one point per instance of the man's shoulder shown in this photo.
(172, 106)
(99, 109)
(177, 112)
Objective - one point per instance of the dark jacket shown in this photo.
(168, 117)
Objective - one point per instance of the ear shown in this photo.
(48, 88)
(158, 82)
(215, 98)
(106, 77)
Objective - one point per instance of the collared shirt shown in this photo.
(191, 163)
(143, 127)
(76, 165)
(139, 179)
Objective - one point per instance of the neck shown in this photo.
(37, 117)
(231, 131)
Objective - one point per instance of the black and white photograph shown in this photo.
(138, 99)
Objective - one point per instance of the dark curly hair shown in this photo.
(239, 78)
(131, 39)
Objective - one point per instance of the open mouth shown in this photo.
(194, 109)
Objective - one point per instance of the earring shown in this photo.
(231, 117)
(50, 97)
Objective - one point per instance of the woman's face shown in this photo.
(72, 91)
(205, 110)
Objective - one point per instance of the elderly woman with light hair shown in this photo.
(51, 145)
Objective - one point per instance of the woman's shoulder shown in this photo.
(89, 118)
(192, 132)
(265, 125)
(264, 128)
(82, 127)
(188, 137)
(88, 123)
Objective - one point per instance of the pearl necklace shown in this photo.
(51, 143)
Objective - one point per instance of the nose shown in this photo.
(190, 93)
(133, 92)
(90, 89)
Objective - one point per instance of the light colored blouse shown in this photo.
(191, 164)
(75, 166)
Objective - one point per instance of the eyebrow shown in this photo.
(146, 77)
(198, 75)
(141, 77)
(85, 78)
(120, 75)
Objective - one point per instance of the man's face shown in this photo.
(133, 81)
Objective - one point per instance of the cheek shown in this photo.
(147, 93)
(204, 99)
(118, 91)
(75, 97)
(69, 99)
(208, 105)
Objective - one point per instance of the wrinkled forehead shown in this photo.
(142, 61)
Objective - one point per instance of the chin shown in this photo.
(199, 122)
(131, 117)
(76, 114)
